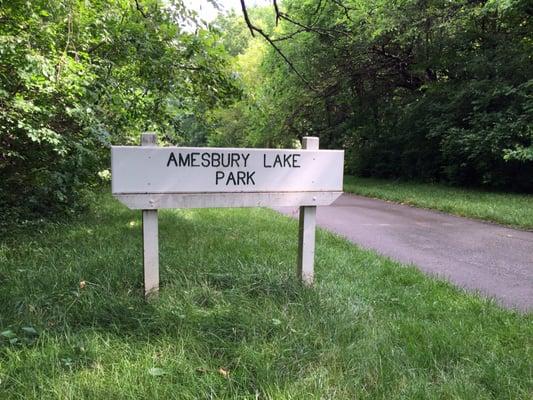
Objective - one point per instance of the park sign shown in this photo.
(180, 177)
(149, 177)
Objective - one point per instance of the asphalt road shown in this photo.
(494, 260)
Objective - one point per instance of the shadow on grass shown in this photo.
(71, 278)
(229, 299)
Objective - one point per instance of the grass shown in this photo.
(511, 209)
(232, 322)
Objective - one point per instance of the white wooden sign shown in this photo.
(274, 177)
(151, 177)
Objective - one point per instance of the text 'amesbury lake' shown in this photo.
(231, 160)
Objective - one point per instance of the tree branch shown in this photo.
(276, 9)
(139, 8)
(331, 33)
(247, 18)
(346, 9)
(254, 28)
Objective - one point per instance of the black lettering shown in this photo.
(277, 161)
(287, 160)
(215, 160)
(172, 158)
(240, 177)
(194, 157)
(250, 177)
(235, 160)
(245, 158)
(231, 177)
(295, 160)
(227, 160)
(205, 160)
(265, 162)
(218, 176)
(184, 161)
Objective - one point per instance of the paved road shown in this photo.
(489, 258)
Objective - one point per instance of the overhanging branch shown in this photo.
(262, 33)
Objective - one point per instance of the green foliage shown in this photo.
(254, 120)
(235, 34)
(504, 208)
(416, 89)
(76, 76)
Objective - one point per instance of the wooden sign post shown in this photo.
(149, 177)
(306, 231)
(150, 237)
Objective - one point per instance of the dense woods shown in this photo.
(429, 90)
(419, 89)
(77, 76)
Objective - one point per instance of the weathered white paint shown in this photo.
(209, 200)
(150, 252)
(150, 237)
(306, 244)
(150, 178)
(138, 170)
(306, 231)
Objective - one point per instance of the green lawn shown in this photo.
(232, 322)
(505, 208)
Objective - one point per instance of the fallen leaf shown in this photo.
(83, 284)
(224, 372)
(9, 334)
(30, 330)
(157, 372)
(67, 362)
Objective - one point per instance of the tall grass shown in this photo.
(232, 322)
(505, 208)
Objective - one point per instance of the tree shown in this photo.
(418, 89)
(76, 76)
